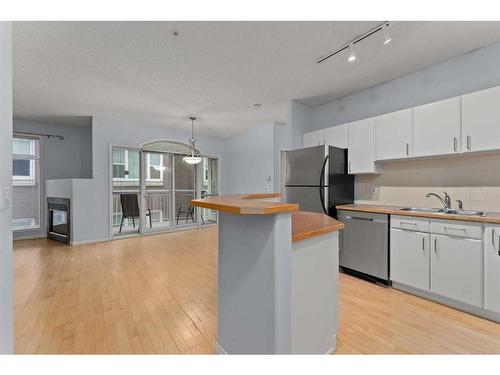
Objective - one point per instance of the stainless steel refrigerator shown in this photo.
(316, 178)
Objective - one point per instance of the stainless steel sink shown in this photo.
(444, 211)
(424, 209)
(467, 212)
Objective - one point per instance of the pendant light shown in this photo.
(193, 158)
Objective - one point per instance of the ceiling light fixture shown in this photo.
(353, 42)
(352, 55)
(387, 37)
(193, 158)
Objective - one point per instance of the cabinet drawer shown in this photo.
(410, 223)
(457, 228)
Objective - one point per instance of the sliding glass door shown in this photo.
(185, 191)
(152, 190)
(157, 191)
(126, 190)
(209, 188)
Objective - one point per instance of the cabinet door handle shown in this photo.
(423, 243)
(469, 142)
(451, 228)
(455, 144)
(407, 222)
(407, 149)
(499, 245)
(349, 167)
(493, 237)
(435, 245)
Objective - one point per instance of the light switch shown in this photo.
(5, 197)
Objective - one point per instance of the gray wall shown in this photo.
(91, 196)
(250, 161)
(473, 71)
(67, 158)
(299, 121)
(6, 262)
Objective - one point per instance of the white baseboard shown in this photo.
(86, 242)
(219, 349)
(333, 349)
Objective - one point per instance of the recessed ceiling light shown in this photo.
(257, 105)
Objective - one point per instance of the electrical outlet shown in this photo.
(372, 189)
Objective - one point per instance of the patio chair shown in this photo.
(130, 209)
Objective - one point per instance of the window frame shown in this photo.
(126, 164)
(149, 165)
(35, 179)
(30, 180)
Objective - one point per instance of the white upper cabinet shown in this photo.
(437, 128)
(393, 135)
(481, 120)
(361, 145)
(336, 136)
(314, 138)
(492, 268)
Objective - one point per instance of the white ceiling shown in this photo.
(215, 70)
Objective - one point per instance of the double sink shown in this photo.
(444, 211)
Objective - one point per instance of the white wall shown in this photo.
(473, 71)
(6, 262)
(250, 161)
(90, 196)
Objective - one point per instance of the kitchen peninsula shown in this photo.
(277, 276)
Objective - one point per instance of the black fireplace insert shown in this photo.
(59, 223)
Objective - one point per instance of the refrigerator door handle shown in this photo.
(321, 186)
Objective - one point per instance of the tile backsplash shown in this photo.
(474, 179)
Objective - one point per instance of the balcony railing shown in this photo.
(160, 204)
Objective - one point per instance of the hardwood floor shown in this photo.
(157, 294)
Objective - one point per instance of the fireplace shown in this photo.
(59, 223)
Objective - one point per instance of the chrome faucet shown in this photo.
(446, 201)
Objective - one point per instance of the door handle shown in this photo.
(435, 244)
(455, 144)
(423, 243)
(321, 183)
(469, 142)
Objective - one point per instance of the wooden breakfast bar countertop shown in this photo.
(304, 224)
(246, 204)
(311, 224)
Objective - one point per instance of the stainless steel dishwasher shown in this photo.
(364, 245)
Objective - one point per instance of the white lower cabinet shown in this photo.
(410, 258)
(492, 268)
(456, 270)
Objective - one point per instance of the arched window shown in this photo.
(168, 146)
